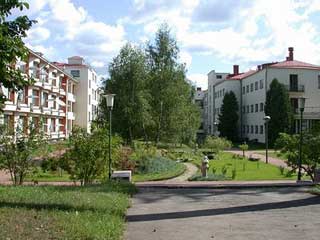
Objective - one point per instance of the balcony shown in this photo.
(295, 88)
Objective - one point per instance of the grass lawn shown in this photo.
(316, 190)
(157, 176)
(246, 170)
(49, 176)
(93, 212)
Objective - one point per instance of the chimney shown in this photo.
(235, 69)
(259, 67)
(290, 58)
(198, 88)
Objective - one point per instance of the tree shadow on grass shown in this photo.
(225, 211)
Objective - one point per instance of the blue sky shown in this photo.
(211, 34)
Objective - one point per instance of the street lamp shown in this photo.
(215, 127)
(302, 101)
(266, 120)
(110, 100)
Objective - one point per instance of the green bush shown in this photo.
(156, 165)
(281, 169)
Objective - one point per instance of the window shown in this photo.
(53, 125)
(45, 99)
(89, 116)
(219, 76)
(261, 107)
(257, 129)
(243, 90)
(248, 110)
(261, 83)
(251, 87)
(243, 109)
(248, 130)
(257, 107)
(318, 81)
(222, 92)
(256, 85)
(293, 82)
(247, 88)
(35, 97)
(54, 99)
(75, 73)
(252, 108)
(89, 99)
(261, 129)
(89, 83)
(251, 128)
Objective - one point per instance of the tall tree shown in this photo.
(12, 47)
(278, 108)
(228, 118)
(128, 76)
(171, 94)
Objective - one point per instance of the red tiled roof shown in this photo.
(295, 64)
(242, 75)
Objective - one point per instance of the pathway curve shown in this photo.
(262, 158)
(190, 171)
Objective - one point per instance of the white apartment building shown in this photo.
(200, 100)
(301, 79)
(87, 91)
(42, 104)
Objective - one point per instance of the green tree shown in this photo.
(171, 103)
(310, 157)
(128, 78)
(278, 108)
(85, 159)
(12, 47)
(228, 118)
(17, 152)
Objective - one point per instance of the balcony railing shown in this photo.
(295, 88)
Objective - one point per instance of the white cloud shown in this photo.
(38, 34)
(97, 64)
(186, 58)
(200, 80)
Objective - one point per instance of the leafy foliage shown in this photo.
(217, 144)
(228, 118)
(12, 47)
(154, 101)
(85, 160)
(244, 147)
(310, 156)
(278, 108)
(16, 153)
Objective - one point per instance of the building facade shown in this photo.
(301, 80)
(200, 100)
(87, 91)
(48, 103)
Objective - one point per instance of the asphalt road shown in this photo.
(257, 214)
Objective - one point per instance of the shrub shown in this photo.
(224, 170)
(156, 165)
(281, 169)
(217, 144)
(244, 147)
(234, 173)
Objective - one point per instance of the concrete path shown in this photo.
(271, 160)
(191, 169)
(237, 214)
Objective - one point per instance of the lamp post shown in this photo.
(110, 100)
(302, 101)
(215, 127)
(266, 120)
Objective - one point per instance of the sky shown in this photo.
(211, 34)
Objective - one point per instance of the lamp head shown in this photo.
(266, 118)
(302, 102)
(110, 99)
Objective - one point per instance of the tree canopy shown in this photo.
(12, 47)
(278, 108)
(154, 100)
(228, 118)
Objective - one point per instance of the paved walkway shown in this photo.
(191, 169)
(239, 214)
(271, 160)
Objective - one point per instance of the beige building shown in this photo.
(87, 92)
(48, 103)
(301, 79)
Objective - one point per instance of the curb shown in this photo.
(222, 186)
